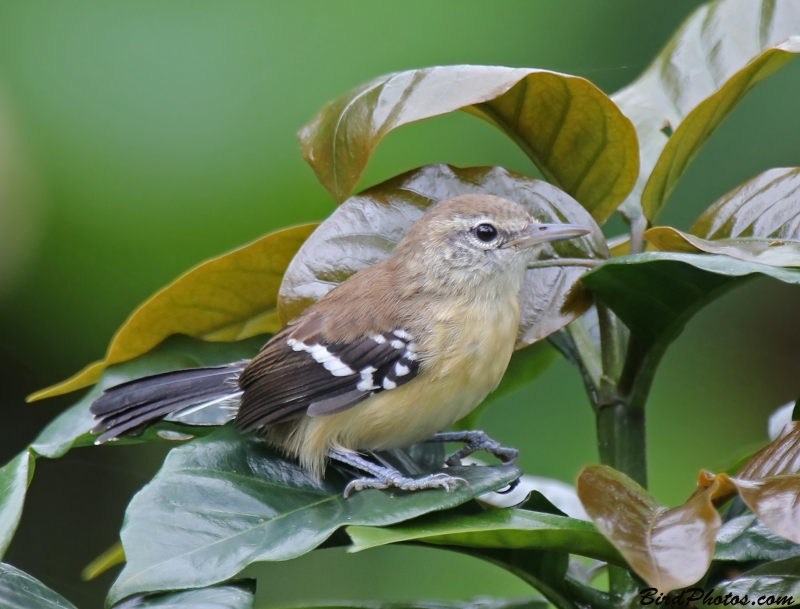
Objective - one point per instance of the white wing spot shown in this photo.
(401, 370)
(402, 334)
(378, 338)
(322, 356)
(397, 344)
(388, 384)
(367, 383)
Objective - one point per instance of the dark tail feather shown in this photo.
(178, 396)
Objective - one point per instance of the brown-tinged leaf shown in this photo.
(772, 252)
(569, 128)
(776, 502)
(782, 456)
(365, 229)
(769, 483)
(723, 50)
(668, 548)
(768, 207)
(224, 299)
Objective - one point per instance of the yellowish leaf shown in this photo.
(232, 297)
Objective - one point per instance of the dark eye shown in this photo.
(486, 232)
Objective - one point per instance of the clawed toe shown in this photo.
(432, 481)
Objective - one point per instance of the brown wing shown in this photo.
(300, 373)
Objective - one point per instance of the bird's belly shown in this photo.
(440, 395)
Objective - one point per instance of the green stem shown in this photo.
(621, 439)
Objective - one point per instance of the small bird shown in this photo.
(390, 357)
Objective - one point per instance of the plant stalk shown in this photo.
(621, 439)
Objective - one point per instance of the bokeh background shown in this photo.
(139, 138)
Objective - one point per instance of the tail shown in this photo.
(198, 396)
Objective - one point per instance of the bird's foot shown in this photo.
(386, 477)
(397, 480)
(475, 441)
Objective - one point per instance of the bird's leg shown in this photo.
(386, 477)
(475, 441)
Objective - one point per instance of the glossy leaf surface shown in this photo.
(526, 366)
(767, 206)
(771, 252)
(656, 293)
(777, 579)
(71, 428)
(231, 596)
(14, 477)
(494, 528)
(229, 298)
(723, 50)
(19, 590)
(779, 457)
(365, 229)
(746, 538)
(226, 501)
(568, 127)
(668, 548)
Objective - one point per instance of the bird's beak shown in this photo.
(536, 233)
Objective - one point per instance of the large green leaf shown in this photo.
(668, 548)
(14, 478)
(71, 428)
(526, 366)
(775, 579)
(723, 50)
(223, 502)
(493, 528)
(568, 127)
(746, 538)
(228, 298)
(656, 293)
(231, 596)
(19, 590)
(365, 229)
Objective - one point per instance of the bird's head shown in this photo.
(479, 240)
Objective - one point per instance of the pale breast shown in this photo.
(471, 349)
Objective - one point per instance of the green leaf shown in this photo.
(656, 293)
(494, 528)
(226, 501)
(746, 538)
(766, 206)
(526, 366)
(478, 603)
(774, 579)
(723, 50)
(14, 479)
(231, 596)
(19, 590)
(365, 229)
(771, 252)
(668, 548)
(71, 428)
(228, 298)
(568, 127)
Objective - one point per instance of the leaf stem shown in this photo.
(638, 226)
(621, 438)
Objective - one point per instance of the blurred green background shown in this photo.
(138, 138)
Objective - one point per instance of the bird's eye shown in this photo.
(486, 232)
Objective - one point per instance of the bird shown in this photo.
(390, 357)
